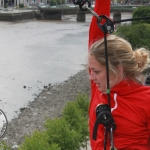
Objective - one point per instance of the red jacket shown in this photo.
(130, 103)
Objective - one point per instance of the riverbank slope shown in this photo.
(48, 104)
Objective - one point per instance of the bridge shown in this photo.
(52, 13)
(56, 13)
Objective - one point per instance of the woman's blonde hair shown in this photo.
(120, 53)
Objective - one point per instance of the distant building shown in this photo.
(25, 2)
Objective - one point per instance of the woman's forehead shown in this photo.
(93, 63)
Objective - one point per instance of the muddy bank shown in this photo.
(48, 104)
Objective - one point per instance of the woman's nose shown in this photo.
(91, 75)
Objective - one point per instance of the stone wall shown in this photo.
(15, 16)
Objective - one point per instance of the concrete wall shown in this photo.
(51, 14)
(17, 16)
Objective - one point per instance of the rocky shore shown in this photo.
(48, 104)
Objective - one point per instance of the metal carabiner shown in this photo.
(108, 26)
(81, 3)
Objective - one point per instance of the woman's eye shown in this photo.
(96, 72)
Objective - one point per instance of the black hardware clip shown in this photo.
(104, 117)
(81, 3)
(106, 24)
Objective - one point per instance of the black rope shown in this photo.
(132, 19)
(105, 141)
(107, 70)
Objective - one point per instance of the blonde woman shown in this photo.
(129, 98)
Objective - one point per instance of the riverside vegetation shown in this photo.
(68, 132)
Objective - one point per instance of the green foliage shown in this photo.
(82, 102)
(59, 132)
(76, 120)
(141, 11)
(3, 146)
(38, 141)
(75, 113)
(21, 5)
(138, 34)
(69, 132)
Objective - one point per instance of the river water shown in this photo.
(37, 53)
